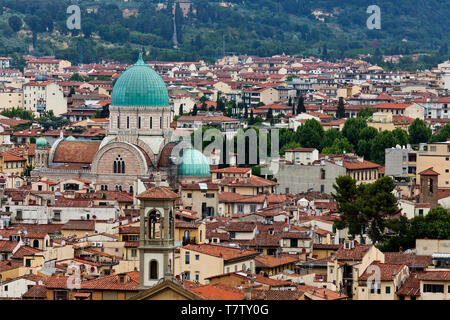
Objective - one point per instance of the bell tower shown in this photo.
(157, 234)
(429, 187)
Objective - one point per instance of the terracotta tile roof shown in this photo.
(7, 246)
(356, 253)
(37, 291)
(232, 170)
(388, 271)
(56, 282)
(218, 291)
(7, 156)
(161, 193)
(411, 287)
(354, 165)
(6, 265)
(301, 150)
(428, 172)
(266, 261)
(129, 230)
(76, 151)
(112, 282)
(79, 225)
(24, 251)
(410, 259)
(227, 253)
(295, 235)
(435, 275)
(241, 227)
(276, 295)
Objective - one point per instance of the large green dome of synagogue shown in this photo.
(140, 85)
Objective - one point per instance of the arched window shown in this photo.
(151, 122)
(35, 243)
(119, 165)
(128, 122)
(152, 220)
(160, 122)
(153, 270)
(118, 122)
(139, 122)
(131, 189)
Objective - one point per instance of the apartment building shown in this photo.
(39, 97)
(437, 156)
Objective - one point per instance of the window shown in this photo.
(420, 212)
(294, 243)
(322, 188)
(128, 122)
(433, 288)
(187, 275)
(240, 208)
(160, 122)
(232, 235)
(27, 262)
(322, 174)
(153, 270)
(235, 268)
(331, 270)
(19, 214)
(189, 195)
(139, 122)
(187, 258)
(197, 257)
(433, 148)
(119, 165)
(151, 122)
(209, 195)
(197, 277)
(6, 288)
(228, 270)
(388, 290)
(118, 122)
(133, 252)
(252, 207)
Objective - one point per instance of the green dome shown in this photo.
(41, 142)
(70, 138)
(140, 85)
(193, 163)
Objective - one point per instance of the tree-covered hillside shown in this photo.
(330, 29)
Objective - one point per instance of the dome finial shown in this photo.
(140, 60)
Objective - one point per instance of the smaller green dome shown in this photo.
(41, 142)
(70, 138)
(193, 163)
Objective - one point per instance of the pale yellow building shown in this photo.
(437, 156)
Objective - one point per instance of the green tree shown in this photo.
(366, 112)
(443, 134)
(419, 132)
(365, 208)
(310, 134)
(401, 136)
(15, 23)
(434, 225)
(340, 113)
(352, 129)
(301, 105)
(339, 146)
(380, 143)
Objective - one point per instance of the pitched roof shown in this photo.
(218, 291)
(356, 253)
(37, 291)
(428, 172)
(267, 261)
(439, 275)
(225, 252)
(76, 151)
(410, 259)
(158, 193)
(387, 271)
(79, 225)
(411, 287)
(112, 282)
